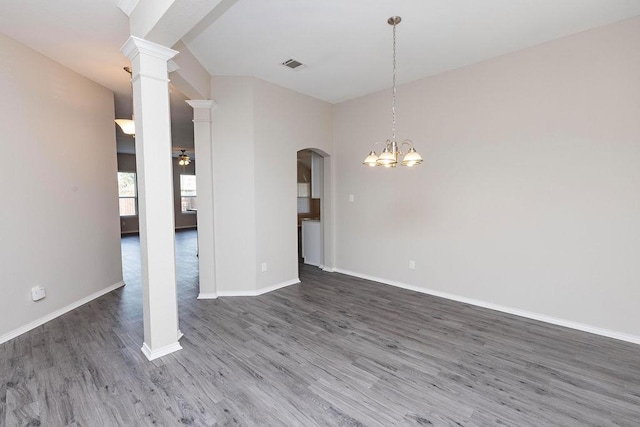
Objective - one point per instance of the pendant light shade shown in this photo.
(412, 158)
(128, 126)
(183, 159)
(371, 160)
(392, 149)
(387, 157)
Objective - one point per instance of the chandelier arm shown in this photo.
(373, 147)
(406, 142)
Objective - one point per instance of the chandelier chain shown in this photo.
(393, 96)
(389, 157)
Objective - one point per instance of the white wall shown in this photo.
(528, 198)
(60, 215)
(258, 128)
(234, 185)
(285, 122)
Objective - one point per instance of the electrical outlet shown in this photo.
(351, 197)
(37, 293)
(264, 267)
(412, 265)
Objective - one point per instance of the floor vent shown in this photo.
(293, 64)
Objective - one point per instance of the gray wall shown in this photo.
(60, 215)
(258, 128)
(528, 199)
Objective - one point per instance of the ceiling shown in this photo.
(346, 45)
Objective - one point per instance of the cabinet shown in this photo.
(312, 242)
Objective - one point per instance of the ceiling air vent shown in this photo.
(293, 64)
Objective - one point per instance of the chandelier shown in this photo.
(392, 149)
(183, 159)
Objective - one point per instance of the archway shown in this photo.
(315, 208)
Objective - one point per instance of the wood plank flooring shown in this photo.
(333, 350)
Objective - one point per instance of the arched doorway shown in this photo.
(313, 208)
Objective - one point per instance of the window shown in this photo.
(127, 193)
(188, 193)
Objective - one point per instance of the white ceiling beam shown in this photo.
(127, 6)
(191, 78)
(166, 21)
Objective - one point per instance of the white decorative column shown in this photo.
(155, 194)
(202, 110)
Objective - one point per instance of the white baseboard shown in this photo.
(207, 295)
(258, 291)
(237, 293)
(278, 286)
(41, 321)
(522, 313)
(184, 227)
(163, 351)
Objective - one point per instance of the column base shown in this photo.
(154, 354)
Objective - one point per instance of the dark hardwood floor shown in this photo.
(333, 350)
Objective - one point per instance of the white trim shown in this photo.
(209, 104)
(278, 286)
(135, 45)
(183, 227)
(211, 295)
(522, 313)
(237, 293)
(41, 321)
(154, 354)
(328, 269)
(258, 291)
(127, 6)
(172, 66)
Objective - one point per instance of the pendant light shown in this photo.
(392, 149)
(183, 159)
(128, 126)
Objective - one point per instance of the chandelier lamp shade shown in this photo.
(183, 159)
(128, 126)
(392, 150)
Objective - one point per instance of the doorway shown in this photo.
(310, 191)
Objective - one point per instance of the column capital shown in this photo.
(202, 109)
(202, 103)
(135, 45)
